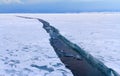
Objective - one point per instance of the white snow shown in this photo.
(97, 33)
(24, 43)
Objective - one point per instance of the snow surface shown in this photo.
(25, 49)
(97, 33)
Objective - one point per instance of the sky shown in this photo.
(58, 6)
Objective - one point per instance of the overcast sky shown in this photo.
(53, 6)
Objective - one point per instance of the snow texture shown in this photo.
(25, 49)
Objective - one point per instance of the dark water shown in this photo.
(79, 67)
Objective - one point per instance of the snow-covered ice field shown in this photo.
(25, 49)
(24, 43)
(97, 33)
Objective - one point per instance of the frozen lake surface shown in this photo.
(25, 49)
(97, 33)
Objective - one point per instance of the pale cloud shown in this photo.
(10, 1)
(45, 1)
